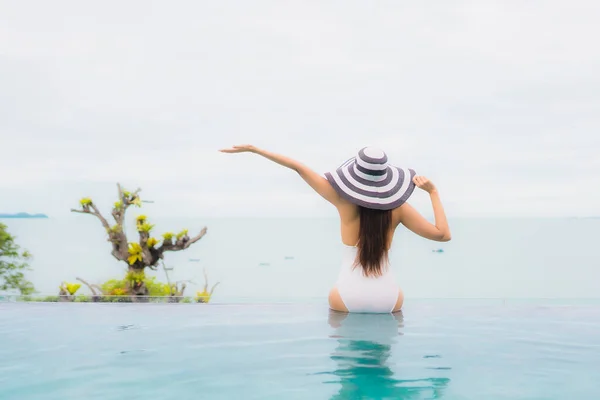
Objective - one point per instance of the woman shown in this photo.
(370, 197)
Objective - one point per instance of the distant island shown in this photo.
(23, 215)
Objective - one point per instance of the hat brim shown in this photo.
(387, 194)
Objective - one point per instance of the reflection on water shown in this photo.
(364, 346)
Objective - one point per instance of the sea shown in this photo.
(508, 310)
(298, 259)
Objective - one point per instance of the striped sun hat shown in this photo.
(367, 180)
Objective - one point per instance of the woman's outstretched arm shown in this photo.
(409, 217)
(316, 181)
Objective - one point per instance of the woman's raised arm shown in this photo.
(409, 217)
(314, 180)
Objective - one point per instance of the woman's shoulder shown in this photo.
(399, 212)
(348, 210)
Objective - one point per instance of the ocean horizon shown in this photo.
(297, 259)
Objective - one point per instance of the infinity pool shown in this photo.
(435, 350)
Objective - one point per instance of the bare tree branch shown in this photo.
(181, 244)
(167, 275)
(81, 211)
(206, 283)
(93, 211)
(119, 215)
(205, 279)
(147, 258)
(91, 287)
(100, 216)
(98, 287)
(117, 239)
(185, 281)
(181, 290)
(213, 288)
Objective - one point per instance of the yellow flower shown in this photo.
(152, 242)
(72, 288)
(182, 233)
(137, 201)
(168, 235)
(203, 296)
(115, 228)
(86, 201)
(145, 227)
(118, 204)
(135, 253)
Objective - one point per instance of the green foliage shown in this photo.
(137, 201)
(119, 287)
(145, 227)
(186, 300)
(135, 277)
(13, 264)
(114, 287)
(157, 288)
(168, 235)
(142, 224)
(86, 201)
(50, 299)
(182, 233)
(82, 299)
(116, 228)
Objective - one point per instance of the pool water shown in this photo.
(434, 350)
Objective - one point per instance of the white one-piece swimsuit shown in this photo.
(365, 294)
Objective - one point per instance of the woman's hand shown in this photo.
(424, 183)
(244, 148)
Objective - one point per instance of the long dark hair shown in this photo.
(373, 240)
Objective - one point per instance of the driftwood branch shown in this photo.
(80, 211)
(181, 290)
(181, 244)
(213, 288)
(117, 238)
(91, 287)
(167, 275)
(100, 216)
(93, 210)
(206, 283)
(147, 258)
(63, 294)
(150, 256)
(119, 214)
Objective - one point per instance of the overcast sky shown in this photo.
(498, 102)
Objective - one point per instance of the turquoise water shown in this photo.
(234, 348)
(435, 350)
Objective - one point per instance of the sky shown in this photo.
(497, 102)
